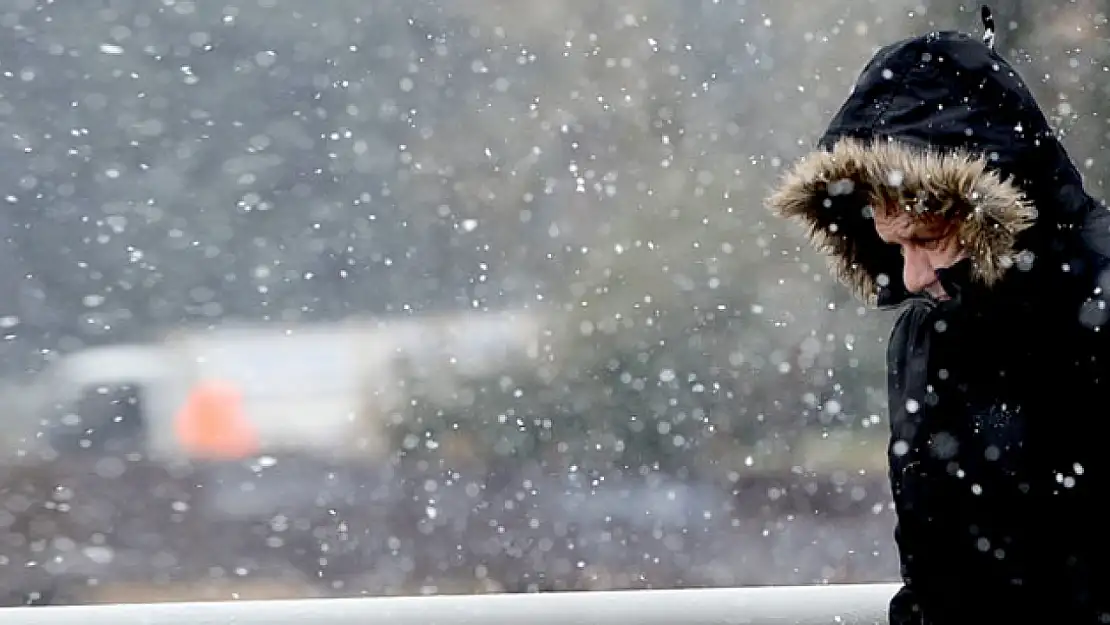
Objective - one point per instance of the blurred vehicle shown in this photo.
(236, 392)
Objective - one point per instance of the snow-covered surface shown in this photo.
(808, 605)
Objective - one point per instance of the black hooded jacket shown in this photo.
(997, 396)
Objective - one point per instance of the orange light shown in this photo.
(212, 425)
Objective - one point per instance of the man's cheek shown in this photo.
(948, 257)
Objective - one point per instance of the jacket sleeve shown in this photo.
(904, 606)
(908, 350)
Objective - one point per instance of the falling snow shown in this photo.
(412, 298)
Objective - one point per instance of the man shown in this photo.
(939, 190)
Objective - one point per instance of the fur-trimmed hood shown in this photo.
(942, 125)
(856, 176)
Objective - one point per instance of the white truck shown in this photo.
(327, 388)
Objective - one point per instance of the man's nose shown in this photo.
(918, 272)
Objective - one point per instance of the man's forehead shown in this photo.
(905, 221)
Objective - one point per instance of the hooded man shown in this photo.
(940, 191)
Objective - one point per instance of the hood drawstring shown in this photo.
(988, 27)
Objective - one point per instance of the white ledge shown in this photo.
(850, 604)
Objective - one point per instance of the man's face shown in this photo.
(927, 245)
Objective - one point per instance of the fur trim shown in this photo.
(831, 193)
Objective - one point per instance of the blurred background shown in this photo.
(383, 297)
